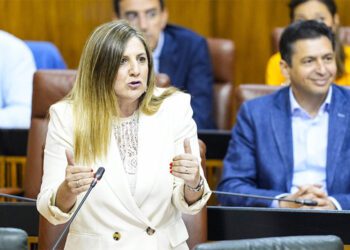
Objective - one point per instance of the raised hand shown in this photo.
(186, 166)
(78, 178)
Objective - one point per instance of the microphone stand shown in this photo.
(98, 176)
(17, 197)
(305, 202)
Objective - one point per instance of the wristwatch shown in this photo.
(199, 186)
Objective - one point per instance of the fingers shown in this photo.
(70, 157)
(188, 170)
(186, 166)
(314, 189)
(78, 178)
(187, 146)
(190, 176)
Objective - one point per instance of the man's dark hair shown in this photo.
(330, 4)
(302, 30)
(116, 6)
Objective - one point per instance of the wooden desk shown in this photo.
(229, 223)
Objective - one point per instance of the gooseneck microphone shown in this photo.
(17, 197)
(305, 202)
(98, 176)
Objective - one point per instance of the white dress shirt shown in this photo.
(157, 51)
(17, 67)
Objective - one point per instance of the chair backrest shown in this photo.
(13, 238)
(46, 55)
(246, 92)
(344, 36)
(48, 88)
(310, 242)
(222, 58)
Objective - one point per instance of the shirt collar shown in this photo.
(159, 47)
(296, 108)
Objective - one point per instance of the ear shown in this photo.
(164, 17)
(285, 69)
(336, 21)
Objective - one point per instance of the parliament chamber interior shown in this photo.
(241, 36)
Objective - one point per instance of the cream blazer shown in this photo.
(111, 209)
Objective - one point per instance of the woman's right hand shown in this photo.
(77, 180)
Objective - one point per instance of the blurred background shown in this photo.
(249, 23)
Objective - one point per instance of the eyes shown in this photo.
(311, 60)
(133, 16)
(320, 19)
(141, 59)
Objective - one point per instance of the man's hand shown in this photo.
(310, 192)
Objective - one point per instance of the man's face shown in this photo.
(312, 68)
(147, 16)
(315, 10)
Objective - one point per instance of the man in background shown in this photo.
(17, 67)
(294, 143)
(177, 52)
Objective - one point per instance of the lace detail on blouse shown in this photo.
(126, 135)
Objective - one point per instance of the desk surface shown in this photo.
(216, 141)
(13, 142)
(226, 223)
(22, 215)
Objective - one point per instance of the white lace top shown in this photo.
(126, 135)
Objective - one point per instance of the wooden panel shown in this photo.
(193, 14)
(67, 23)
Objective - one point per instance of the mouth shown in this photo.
(134, 84)
(321, 82)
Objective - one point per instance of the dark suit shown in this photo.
(260, 154)
(185, 59)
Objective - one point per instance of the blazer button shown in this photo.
(116, 236)
(150, 231)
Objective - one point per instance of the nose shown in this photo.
(321, 67)
(134, 68)
(143, 23)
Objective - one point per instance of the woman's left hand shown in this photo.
(186, 166)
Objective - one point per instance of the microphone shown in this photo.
(17, 197)
(305, 202)
(98, 176)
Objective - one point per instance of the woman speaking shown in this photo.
(143, 136)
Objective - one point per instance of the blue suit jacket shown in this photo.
(185, 59)
(260, 154)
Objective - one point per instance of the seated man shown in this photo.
(177, 52)
(17, 67)
(320, 10)
(294, 143)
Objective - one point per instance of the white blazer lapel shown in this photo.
(116, 178)
(148, 135)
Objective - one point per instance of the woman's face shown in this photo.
(315, 10)
(132, 76)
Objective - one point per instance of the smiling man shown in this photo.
(295, 143)
(177, 52)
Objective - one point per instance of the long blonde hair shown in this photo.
(93, 97)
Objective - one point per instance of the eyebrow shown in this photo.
(314, 57)
(140, 54)
(136, 12)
